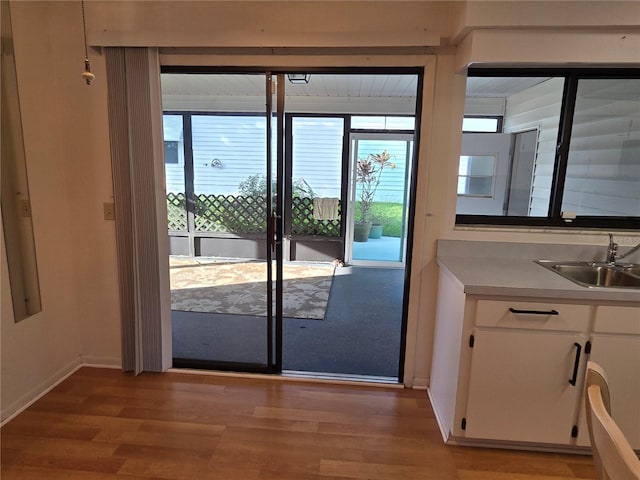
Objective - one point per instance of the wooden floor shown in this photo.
(103, 424)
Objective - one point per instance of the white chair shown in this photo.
(612, 454)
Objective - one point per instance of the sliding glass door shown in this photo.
(220, 168)
(262, 213)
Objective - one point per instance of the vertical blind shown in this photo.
(133, 94)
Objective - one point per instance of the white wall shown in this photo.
(67, 146)
(69, 178)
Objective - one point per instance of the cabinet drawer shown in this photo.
(533, 315)
(610, 319)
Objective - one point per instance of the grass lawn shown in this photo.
(387, 214)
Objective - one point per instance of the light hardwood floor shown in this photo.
(104, 424)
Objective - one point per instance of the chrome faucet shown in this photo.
(612, 251)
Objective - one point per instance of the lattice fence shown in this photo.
(229, 213)
(177, 211)
(244, 215)
(305, 224)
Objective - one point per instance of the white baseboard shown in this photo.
(39, 391)
(100, 362)
(420, 383)
(441, 425)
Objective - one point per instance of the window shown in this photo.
(573, 155)
(172, 126)
(481, 124)
(372, 122)
(475, 176)
(171, 151)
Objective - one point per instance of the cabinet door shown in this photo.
(519, 387)
(619, 356)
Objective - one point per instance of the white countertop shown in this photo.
(507, 275)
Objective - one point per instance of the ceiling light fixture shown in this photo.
(87, 75)
(299, 78)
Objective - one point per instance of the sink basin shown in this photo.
(635, 270)
(590, 274)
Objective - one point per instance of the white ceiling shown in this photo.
(320, 85)
(361, 86)
(500, 87)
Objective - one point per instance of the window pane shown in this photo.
(174, 172)
(229, 154)
(478, 124)
(603, 172)
(171, 152)
(475, 186)
(382, 123)
(481, 165)
(476, 175)
(525, 151)
(317, 155)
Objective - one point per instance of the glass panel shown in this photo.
(382, 173)
(603, 171)
(229, 167)
(523, 175)
(476, 175)
(475, 186)
(477, 165)
(475, 124)
(382, 123)
(174, 172)
(219, 286)
(317, 175)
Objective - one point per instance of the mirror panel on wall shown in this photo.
(16, 206)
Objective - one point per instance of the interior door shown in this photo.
(524, 157)
(222, 175)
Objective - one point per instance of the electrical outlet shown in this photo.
(109, 211)
(25, 208)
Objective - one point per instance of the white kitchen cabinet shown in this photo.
(519, 386)
(525, 374)
(615, 345)
(500, 376)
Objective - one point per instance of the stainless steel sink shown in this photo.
(593, 274)
(633, 270)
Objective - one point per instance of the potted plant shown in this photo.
(368, 172)
(376, 228)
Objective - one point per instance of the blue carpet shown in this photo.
(360, 334)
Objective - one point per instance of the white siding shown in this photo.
(317, 153)
(603, 174)
(174, 172)
(392, 184)
(239, 143)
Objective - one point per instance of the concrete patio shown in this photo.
(386, 249)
